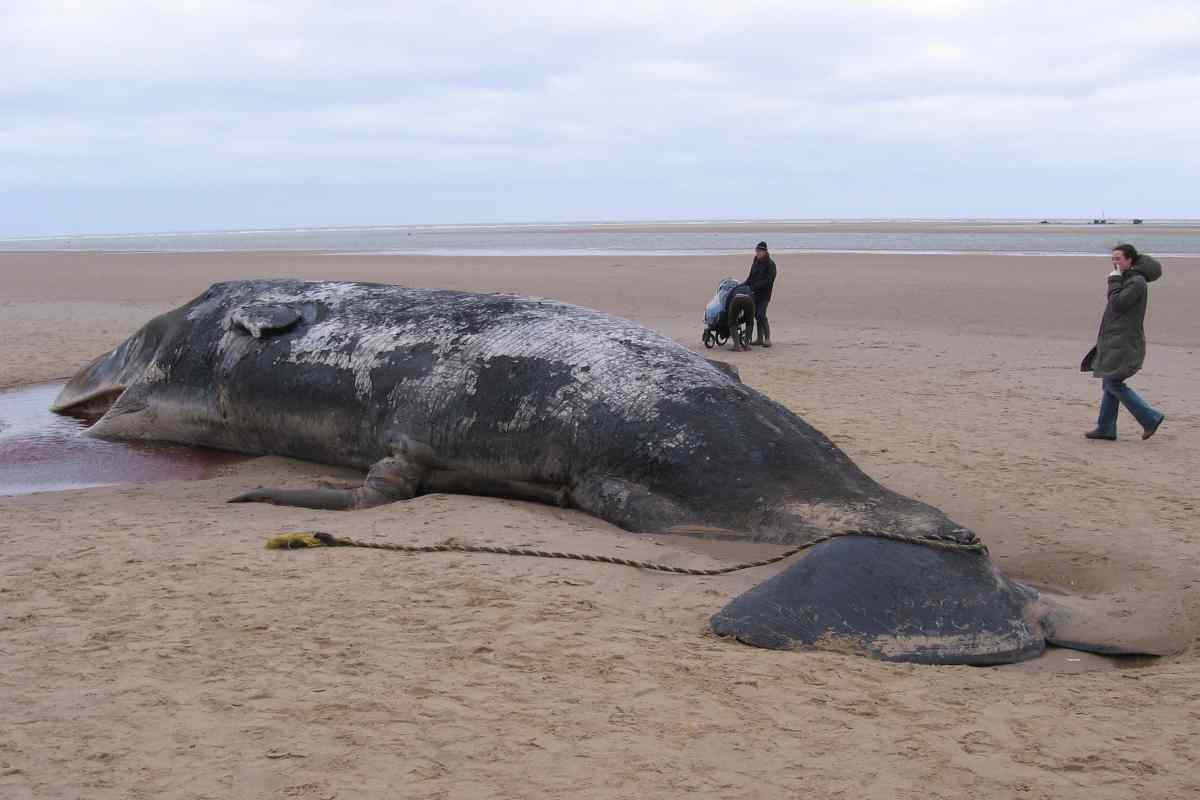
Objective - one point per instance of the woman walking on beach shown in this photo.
(1121, 344)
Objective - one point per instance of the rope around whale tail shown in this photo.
(306, 539)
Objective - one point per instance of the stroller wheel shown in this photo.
(741, 335)
(708, 340)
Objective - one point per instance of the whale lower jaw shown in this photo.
(93, 404)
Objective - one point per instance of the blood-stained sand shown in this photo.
(44, 451)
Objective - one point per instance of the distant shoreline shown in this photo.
(1187, 226)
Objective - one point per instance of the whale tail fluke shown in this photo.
(892, 600)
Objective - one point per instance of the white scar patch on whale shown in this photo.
(629, 369)
(331, 343)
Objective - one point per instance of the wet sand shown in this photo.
(152, 647)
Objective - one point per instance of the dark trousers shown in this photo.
(760, 316)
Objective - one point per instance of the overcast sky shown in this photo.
(131, 115)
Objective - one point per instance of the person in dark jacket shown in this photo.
(1121, 344)
(761, 280)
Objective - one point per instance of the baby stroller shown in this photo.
(729, 315)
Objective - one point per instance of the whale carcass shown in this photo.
(440, 391)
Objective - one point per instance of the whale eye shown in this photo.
(265, 319)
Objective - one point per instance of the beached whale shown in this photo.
(442, 391)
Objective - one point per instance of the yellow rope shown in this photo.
(303, 539)
(293, 541)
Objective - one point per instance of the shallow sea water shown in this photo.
(645, 239)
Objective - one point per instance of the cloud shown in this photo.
(568, 99)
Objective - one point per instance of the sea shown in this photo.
(1174, 238)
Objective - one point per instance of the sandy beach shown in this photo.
(150, 647)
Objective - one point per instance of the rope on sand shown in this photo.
(305, 539)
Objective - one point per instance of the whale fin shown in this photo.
(403, 476)
(390, 479)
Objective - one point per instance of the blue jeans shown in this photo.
(1116, 393)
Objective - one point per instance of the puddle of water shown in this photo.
(41, 451)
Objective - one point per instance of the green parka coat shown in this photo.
(1121, 344)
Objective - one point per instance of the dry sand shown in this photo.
(150, 647)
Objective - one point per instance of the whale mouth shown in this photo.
(91, 405)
